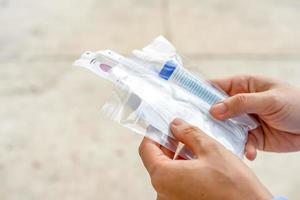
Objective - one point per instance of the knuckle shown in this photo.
(140, 150)
(158, 169)
(191, 131)
(243, 81)
(156, 183)
(250, 77)
(194, 133)
(275, 101)
(210, 145)
(273, 98)
(158, 175)
(239, 101)
(251, 83)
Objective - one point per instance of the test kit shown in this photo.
(154, 87)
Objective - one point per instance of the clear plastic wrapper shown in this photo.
(155, 88)
(132, 112)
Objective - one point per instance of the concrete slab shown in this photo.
(235, 27)
(54, 142)
(50, 149)
(287, 70)
(60, 28)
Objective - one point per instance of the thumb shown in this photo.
(191, 136)
(255, 103)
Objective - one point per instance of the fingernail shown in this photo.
(177, 122)
(219, 109)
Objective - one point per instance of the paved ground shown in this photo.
(54, 143)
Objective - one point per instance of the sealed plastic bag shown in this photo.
(154, 88)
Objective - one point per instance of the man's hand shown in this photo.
(215, 173)
(275, 104)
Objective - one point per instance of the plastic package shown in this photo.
(153, 88)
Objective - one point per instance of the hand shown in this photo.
(215, 173)
(275, 104)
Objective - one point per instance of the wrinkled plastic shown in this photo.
(146, 103)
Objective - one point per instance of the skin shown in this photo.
(216, 173)
(275, 104)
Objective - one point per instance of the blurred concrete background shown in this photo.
(54, 143)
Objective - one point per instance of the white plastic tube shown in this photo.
(170, 71)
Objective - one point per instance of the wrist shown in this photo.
(264, 193)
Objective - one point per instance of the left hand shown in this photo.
(272, 102)
(215, 173)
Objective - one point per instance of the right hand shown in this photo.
(274, 103)
(214, 173)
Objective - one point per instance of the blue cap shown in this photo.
(167, 70)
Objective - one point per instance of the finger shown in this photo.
(151, 154)
(257, 136)
(170, 154)
(256, 103)
(244, 84)
(189, 135)
(223, 83)
(251, 148)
